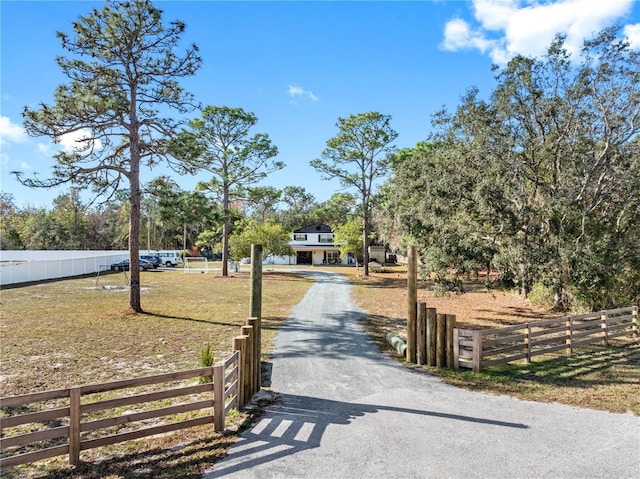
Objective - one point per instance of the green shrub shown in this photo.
(541, 295)
(206, 360)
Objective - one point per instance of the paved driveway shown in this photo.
(347, 411)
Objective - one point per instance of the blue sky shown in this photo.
(300, 65)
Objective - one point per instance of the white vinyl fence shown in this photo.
(18, 266)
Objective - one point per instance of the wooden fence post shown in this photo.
(218, 397)
(604, 325)
(456, 349)
(240, 344)
(441, 340)
(257, 366)
(412, 299)
(432, 332)
(634, 320)
(74, 425)
(568, 334)
(255, 309)
(421, 334)
(450, 324)
(250, 378)
(527, 343)
(477, 351)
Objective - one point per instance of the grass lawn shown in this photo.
(79, 331)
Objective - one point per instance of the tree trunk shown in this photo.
(225, 230)
(134, 240)
(365, 242)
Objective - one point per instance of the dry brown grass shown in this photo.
(79, 331)
(594, 377)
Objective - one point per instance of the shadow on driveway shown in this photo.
(297, 423)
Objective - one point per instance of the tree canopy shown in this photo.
(219, 142)
(123, 69)
(540, 181)
(358, 156)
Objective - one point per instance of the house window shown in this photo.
(325, 238)
(299, 237)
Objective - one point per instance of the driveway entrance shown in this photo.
(348, 411)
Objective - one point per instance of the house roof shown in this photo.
(315, 228)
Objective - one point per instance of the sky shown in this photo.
(299, 66)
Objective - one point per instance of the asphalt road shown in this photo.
(347, 411)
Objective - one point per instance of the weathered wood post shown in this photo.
(527, 343)
(568, 334)
(421, 333)
(412, 299)
(450, 325)
(477, 350)
(634, 320)
(431, 336)
(74, 425)
(218, 397)
(605, 328)
(255, 309)
(256, 366)
(250, 377)
(240, 344)
(441, 340)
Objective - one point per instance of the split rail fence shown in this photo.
(478, 349)
(67, 421)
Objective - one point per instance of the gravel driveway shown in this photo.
(347, 411)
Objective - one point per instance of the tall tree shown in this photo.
(540, 180)
(123, 69)
(358, 156)
(273, 237)
(299, 205)
(68, 219)
(219, 143)
(9, 223)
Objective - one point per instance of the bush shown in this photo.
(206, 360)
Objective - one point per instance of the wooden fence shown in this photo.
(58, 422)
(477, 349)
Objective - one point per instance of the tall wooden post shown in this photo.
(255, 310)
(412, 299)
(256, 366)
(432, 333)
(250, 377)
(421, 334)
(240, 344)
(450, 325)
(441, 340)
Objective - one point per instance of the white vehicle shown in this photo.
(168, 257)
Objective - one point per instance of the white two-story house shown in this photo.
(313, 245)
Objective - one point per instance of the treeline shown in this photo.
(539, 182)
(171, 218)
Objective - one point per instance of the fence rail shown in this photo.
(85, 420)
(477, 349)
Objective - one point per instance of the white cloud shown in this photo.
(78, 142)
(632, 33)
(25, 166)
(11, 132)
(295, 90)
(504, 28)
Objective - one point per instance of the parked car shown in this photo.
(124, 265)
(155, 260)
